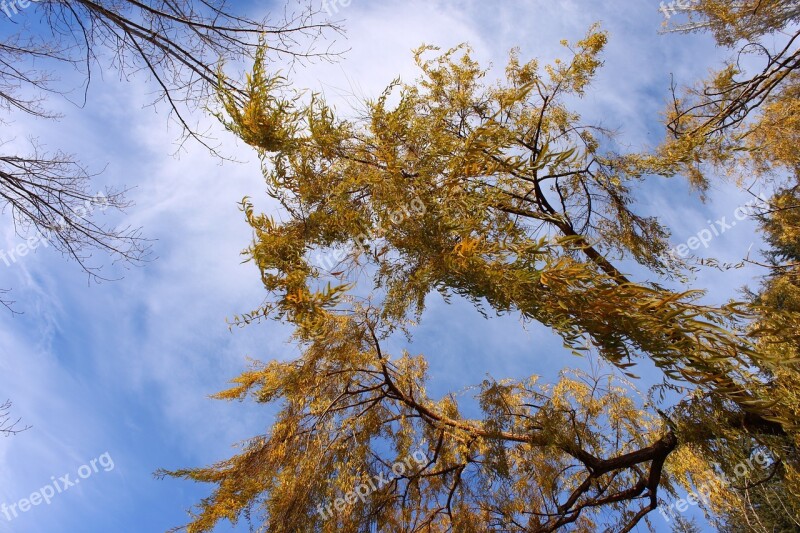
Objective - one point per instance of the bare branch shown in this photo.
(9, 426)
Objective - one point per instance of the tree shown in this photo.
(498, 193)
(179, 45)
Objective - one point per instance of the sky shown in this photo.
(120, 372)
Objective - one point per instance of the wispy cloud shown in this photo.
(126, 366)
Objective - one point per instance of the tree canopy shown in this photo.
(499, 192)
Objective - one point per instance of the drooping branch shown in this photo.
(647, 483)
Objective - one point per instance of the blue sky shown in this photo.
(124, 368)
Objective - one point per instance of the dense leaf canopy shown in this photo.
(498, 191)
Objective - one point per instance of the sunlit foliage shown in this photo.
(498, 192)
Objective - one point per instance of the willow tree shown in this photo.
(499, 193)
